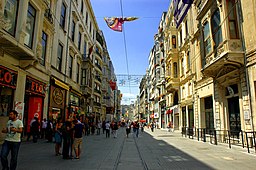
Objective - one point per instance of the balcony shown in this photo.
(227, 57)
(87, 59)
(98, 78)
(97, 91)
(97, 104)
(202, 7)
(86, 91)
(99, 39)
(172, 84)
(98, 66)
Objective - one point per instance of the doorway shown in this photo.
(234, 116)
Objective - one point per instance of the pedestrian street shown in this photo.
(151, 150)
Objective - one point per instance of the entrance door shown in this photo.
(234, 116)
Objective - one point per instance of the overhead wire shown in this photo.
(125, 47)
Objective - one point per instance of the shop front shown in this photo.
(74, 106)
(57, 104)
(8, 82)
(35, 91)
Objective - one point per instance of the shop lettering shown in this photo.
(5, 77)
(36, 87)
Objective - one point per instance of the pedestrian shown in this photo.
(12, 141)
(104, 126)
(107, 129)
(78, 138)
(66, 135)
(35, 126)
(29, 132)
(115, 129)
(58, 136)
(43, 130)
(136, 127)
(98, 128)
(49, 131)
(152, 125)
(127, 128)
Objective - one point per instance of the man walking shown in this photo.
(78, 136)
(12, 141)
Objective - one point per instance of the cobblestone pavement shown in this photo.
(151, 150)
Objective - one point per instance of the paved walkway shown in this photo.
(151, 150)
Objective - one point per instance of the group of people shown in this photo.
(69, 135)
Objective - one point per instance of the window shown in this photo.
(59, 57)
(70, 66)
(73, 30)
(182, 66)
(44, 45)
(216, 28)
(188, 60)
(30, 26)
(90, 28)
(86, 18)
(175, 70)
(79, 40)
(83, 80)
(77, 72)
(82, 6)
(233, 28)
(180, 37)
(186, 28)
(85, 46)
(174, 41)
(10, 15)
(63, 16)
(207, 39)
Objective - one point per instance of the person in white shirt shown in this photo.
(107, 129)
(12, 140)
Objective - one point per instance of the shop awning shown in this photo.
(61, 84)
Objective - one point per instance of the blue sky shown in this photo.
(139, 35)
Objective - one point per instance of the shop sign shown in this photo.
(74, 100)
(58, 96)
(35, 87)
(8, 77)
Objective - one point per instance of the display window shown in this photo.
(6, 100)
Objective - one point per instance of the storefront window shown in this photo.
(6, 100)
(10, 15)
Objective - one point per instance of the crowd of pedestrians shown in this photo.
(67, 136)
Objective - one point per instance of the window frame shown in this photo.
(216, 30)
(59, 57)
(233, 20)
(78, 73)
(70, 66)
(44, 48)
(73, 28)
(63, 15)
(31, 38)
(79, 40)
(13, 33)
(207, 39)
